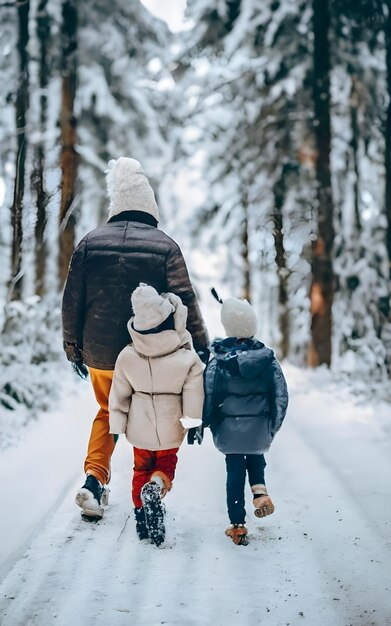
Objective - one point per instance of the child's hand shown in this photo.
(195, 434)
(204, 355)
(195, 429)
(188, 422)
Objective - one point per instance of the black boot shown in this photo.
(154, 512)
(91, 498)
(141, 524)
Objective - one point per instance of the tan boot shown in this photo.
(238, 534)
(262, 501)
(163, 481)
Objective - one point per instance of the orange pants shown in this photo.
(146, 462)
(101, 444)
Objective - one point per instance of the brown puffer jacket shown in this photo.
(106, 267)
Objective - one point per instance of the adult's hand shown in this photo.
(80, 369)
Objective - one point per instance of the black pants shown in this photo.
(237, 466)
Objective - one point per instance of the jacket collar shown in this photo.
(234, 344)
(134, 216)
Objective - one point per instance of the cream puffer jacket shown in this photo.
(157, 380)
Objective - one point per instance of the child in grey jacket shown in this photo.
(246, 399)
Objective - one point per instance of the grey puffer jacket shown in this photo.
(106, 267)
(246, 396)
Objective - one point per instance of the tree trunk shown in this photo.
(354, 143)
(245, 251)
(68, 158)
(388, 133)
(38, 173)
(279, 191)
(322, 288)
(22, 105)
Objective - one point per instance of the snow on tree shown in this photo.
(245, 102)
(91, 99)
(226, 118)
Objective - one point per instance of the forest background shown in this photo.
(265, 130)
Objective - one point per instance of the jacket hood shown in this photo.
(248, 358)
(158, 344)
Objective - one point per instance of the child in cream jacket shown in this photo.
(157, 381)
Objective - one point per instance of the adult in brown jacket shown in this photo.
(106, 267)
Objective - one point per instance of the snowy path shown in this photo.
(42, 467)
(323, 559)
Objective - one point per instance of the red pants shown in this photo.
(146, 463)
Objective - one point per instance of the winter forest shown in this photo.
(264, 128)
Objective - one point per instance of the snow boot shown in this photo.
(141, 523)
(238, 534)
(154, 512)
(91, 498)
(262, 501)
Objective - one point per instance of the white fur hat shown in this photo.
(150, 309)
(129, 189)
(238, 318)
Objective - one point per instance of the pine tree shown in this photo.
(256, 81)
(361, 299)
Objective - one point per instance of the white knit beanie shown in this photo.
(238, 318)
(150, 309)
(129, 189)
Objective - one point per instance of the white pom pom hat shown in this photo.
(238, 318)
(129, 189)
(150, 309)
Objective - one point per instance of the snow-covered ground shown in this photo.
(323, 558)
(37, 472)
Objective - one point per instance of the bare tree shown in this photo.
(22, 106)
(388, 131)
(279, 191)
(245, 248)
(68, 158)
(38, 171)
